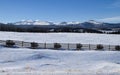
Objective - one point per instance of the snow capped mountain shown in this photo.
(87, 24)
(68, 23)
(73, 22)
(94, 22)
(31, 22)
(38, 22)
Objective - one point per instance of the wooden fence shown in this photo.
(64, 46)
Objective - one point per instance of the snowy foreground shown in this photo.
(84, 38)
(21, 61)
(24, 61)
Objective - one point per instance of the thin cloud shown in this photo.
(111, 19)
(116, 4)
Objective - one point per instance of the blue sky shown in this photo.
(60, 10)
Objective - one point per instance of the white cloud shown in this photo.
(111, 19)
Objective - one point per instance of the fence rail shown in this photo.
(65, 46)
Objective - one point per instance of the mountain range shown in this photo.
(88, 24)
(38, 22)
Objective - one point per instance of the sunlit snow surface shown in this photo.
(85, 38)
(53, 61)
(24, 61)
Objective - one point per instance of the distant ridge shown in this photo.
(90, 26)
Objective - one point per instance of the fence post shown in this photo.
(89, 47)
(68, 46)
(45, 45)
(22, 43)
(109, 47)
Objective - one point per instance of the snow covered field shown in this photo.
(24, 61)
(85, 38)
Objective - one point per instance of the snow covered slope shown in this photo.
(55, 62)
(85, 38)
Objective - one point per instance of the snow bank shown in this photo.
(52, 61)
